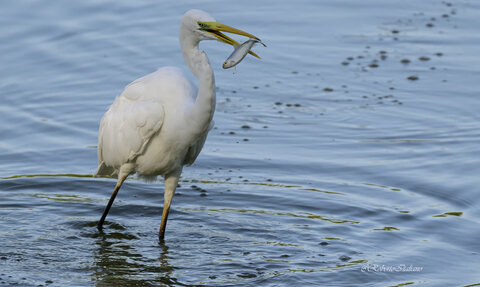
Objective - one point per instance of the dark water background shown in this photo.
(361, 155)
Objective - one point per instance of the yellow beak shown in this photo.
(215, 28)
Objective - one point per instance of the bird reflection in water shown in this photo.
(118, 263)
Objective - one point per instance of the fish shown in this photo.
(240, 52)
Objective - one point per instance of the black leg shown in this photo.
(110, 202)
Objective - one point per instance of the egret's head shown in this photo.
(205, 27)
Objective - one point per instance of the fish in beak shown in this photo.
(216, 28)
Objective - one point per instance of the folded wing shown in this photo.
(126, 129)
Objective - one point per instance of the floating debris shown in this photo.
(449, 214)
(344, 258)
(386, 228)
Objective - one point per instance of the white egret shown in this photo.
(160, 121)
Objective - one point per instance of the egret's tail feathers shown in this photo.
(104, 170)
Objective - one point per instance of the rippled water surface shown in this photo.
(347, 156)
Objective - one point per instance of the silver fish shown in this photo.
(239, 53)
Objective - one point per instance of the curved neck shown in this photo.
(204, 107)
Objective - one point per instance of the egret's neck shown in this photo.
(197, 61)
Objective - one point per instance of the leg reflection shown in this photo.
(125, 259)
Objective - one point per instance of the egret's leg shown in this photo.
(171, 182)
(121, 179)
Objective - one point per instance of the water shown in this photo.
(355, 170)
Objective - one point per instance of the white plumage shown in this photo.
(137, 119)
(160, 122)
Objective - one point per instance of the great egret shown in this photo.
(160, 121)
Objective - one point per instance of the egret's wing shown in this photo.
(127, 127)
(195, 149)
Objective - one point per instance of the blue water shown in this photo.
(359, 166)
